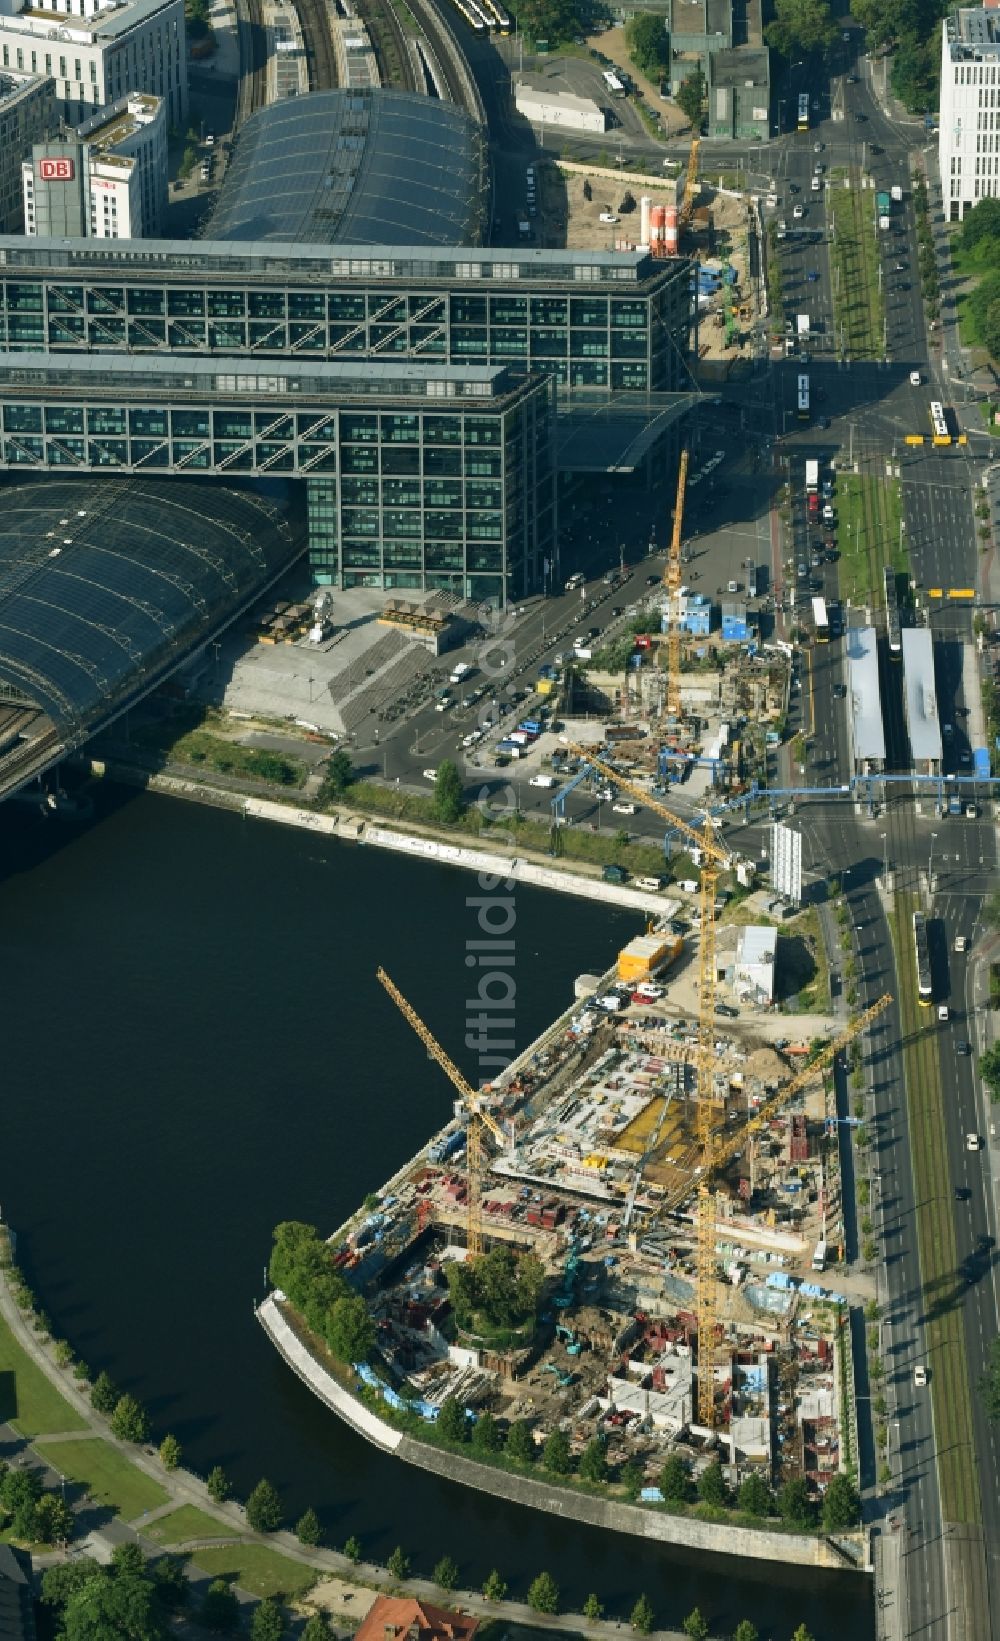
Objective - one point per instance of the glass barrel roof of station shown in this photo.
(361, 167)
(104, 584)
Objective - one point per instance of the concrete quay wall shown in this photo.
(612, 1515)
(321, 1383)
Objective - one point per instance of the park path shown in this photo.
(186, 1488)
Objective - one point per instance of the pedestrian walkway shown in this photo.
(186, 1488)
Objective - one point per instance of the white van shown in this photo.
(461, 671)
(650, 883)
(542, 780)
(688, 886)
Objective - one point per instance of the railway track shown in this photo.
(252, 37)
(389, 43)
(318, 45)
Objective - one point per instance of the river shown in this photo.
(195, 1048)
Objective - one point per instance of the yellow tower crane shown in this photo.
(478, 1117)
(714, 859)
(672, 583)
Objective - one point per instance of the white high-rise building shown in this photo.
(107, 180)
(98, 51)
(969, 131)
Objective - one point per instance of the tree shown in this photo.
(794, 1503)
(399, 1563)
(486, 1437)
(675, 1480)
(105, 1608)
(130, 1421)
(691, 97)
(801, 25)
(451, 1420)
(556, 1454)
(448, 801)
(170, 1452)
(339, 775)
(268, 1621)
(551, 20)
(755, 1495)
(695, 1625)
(543, 1594)
(317, 1629)
(648, 44)
(593, 1608)
(104, 1394)
(352, 1550)
(220, 1609)
(989, 1060)
(307, 1529)
(445, 1574)
(170, 1582)
(264, 1508)
(54, 1520)
(128, 1561)
(745, 1631)
(495, 1587)
(989, 1384)
(59, 1583)
(633, 1478)
(642, 1615)
(593, 1461)
(350, 1331)
(219, 1487)
(841, 1505)
(520, 1442)
(712, 1487)
(802, 1634)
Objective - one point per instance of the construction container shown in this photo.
(645, 954)
(669, 235)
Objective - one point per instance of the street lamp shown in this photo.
(885, 854)
(930, 861)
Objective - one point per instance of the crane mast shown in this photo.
(478, 1119)
(672, 580)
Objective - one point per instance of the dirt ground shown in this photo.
(344, 1603)
(612, 44)
(563, 195)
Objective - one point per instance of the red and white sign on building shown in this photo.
(56, 170)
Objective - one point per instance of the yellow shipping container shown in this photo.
(545, 686)
(645, 954)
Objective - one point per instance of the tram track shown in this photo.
(389, 43)
(252, 37)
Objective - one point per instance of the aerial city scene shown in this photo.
(499, 765)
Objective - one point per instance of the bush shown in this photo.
(543, 1594)
(307, 1529)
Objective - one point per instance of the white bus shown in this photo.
(939, 423)
(821, 621)
(613, 83)
(803, 111)
(803, 398)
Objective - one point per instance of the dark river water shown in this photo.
(195, 1048)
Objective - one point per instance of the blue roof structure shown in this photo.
(367, 167)
(104, 585)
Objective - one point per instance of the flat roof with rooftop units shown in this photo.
(867, 729)
(920, 699)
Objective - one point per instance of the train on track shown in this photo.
(483, 15)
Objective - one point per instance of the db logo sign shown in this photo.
(56, 170)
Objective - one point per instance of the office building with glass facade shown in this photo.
(418, 476)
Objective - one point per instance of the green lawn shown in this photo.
(188, 1522)
(257, 1569)
(858, 302)
(868, 535)
(107, 1475)
(943, 1286)
(27, 1398)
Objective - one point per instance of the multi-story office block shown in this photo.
(108, 180)
(969, 128)
(27, 114)
(419, 476)
(587, 319)
(97, 52)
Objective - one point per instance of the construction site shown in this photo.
(678, 1184)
